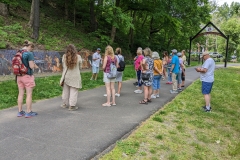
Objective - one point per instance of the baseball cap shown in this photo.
(174, 51)
(99, 49)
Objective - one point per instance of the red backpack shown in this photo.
(18, 67)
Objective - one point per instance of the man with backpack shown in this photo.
(120, 69)
(23, 65)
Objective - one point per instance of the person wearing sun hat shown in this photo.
(207, 78)
(157, 74)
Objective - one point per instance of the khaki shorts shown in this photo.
(26, 81)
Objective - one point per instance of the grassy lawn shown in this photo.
(182, 131)
(48, 87)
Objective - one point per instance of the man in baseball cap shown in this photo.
(96, 59)
(174, 71)
(207, 78)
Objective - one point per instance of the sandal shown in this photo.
(113, 104)
(149, 100)
(106, 105)
(143, 102)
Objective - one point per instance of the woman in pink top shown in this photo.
(109, 83)
(138, 69)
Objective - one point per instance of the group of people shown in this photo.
(71, 78)
(150, 69)
(149, 63)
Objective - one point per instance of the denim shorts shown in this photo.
(95, 69)
(206, 87)
(156, 82)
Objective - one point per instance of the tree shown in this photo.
(36, 20)
(3, 9)
(30, 23)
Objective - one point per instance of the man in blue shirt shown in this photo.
(174, 71)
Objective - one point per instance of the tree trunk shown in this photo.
(66, 10)
(93, 23)
(74, 14)
(36, 20)
(30, 23)
(3, 9)
(131, 36)
(113, 32)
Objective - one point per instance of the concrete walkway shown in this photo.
(59, 134)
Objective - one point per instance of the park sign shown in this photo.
(210, 29)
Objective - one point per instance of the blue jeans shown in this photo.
(179, 79)
(156, 82)
(139, 78)
(169, 75)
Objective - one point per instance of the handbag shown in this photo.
(63, 79)
(146, 76)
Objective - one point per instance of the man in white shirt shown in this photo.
(96, 59)
(207, 78)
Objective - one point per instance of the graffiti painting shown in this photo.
(45, 61)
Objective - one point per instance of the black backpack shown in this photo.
(121, 65)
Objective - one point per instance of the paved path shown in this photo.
(59, 134)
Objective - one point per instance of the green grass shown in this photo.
(48, 87)
(181, 130)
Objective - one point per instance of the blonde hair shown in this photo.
(147, 52)
(139, 51)
(28, 43)
(118, 50)
(109, 51)
(183, 51)
(71, 56)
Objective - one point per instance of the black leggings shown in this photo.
(183, 76)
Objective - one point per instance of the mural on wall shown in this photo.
(46, 61)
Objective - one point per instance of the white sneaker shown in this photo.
(105, 95)
(138, 91)
(157, 95)
(118, 95)
(153, 96)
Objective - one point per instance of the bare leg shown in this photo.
(119, 87)
(207, 98)
(149, 92)
(145, 92)
(29, 99)
(108, 92)
(113, 92)
(96, 76)
(20, 98)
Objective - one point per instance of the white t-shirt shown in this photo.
(209, 64)
(96, 62)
